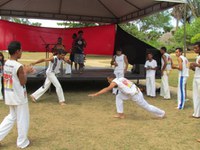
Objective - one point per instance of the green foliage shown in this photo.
(195, 38)
(21, 21)
(73, 24)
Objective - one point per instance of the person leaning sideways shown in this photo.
(16, 96)
(195, 66)
(52, 70)
(150, 67)
(1, 75)
(166, 63)
(128, 90)
(183, 67)
(120, 62)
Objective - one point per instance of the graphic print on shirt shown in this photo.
(8, 81)
(127, 83)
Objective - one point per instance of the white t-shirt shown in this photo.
(120, 63)
(185, 67)
(125, 86)
(150, 64)
(168, 58)
(54, 66)
(15, 93)
(197, 69)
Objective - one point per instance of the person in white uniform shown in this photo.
(128, 90)
(16, 96)
(52, 70)
(151, 67)
(120, 62)
(183, 67)
(166, 63)
(196, 82)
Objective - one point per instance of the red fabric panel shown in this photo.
(100, 40)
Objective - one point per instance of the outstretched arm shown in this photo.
(42, 60)
(104, 90)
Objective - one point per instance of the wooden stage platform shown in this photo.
(89, 74)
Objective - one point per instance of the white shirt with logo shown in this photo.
(54, 66)
(125, 86)
(150, 64)
(15, 93)
(168, 58)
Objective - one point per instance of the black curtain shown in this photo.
(134, 48)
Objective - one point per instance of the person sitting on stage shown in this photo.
(52, 70)
(79, 56)
(58, 46)
(126, 90)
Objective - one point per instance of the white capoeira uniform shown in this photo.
(119, 69)
(51, 72)
(182, 79)
(150, 78)
(16, 99)
(164, 89)
(196, 90)
(128, 90)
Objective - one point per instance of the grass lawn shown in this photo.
(87, 123)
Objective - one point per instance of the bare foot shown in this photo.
(62, 103)
(198, 140)
(33, 99)
(120, 116)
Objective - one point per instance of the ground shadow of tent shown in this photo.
(134, 48)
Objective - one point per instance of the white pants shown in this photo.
(68, 69)
(51, 78)
(164, 89)
(118, 74)
(196, 97)
(19, 114)
(151, 86)
(139, 99)
(181, 92)
(1, 95)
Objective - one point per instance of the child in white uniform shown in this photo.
(128, 90)
(52, 70)
(196, 82)
(183, 67)
(150, 66)
(16, 96)
(120, 63)
(166, 63)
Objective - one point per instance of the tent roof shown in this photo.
(105, 11)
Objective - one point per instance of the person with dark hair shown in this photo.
(79, 55)
(120, 63)
(59, 45)
(16, 95)
(1, 74)
(195, 66)
(150, 67)
(128, 90)
(183, 67)
(74, 37)
(52, 70)
(166, 63)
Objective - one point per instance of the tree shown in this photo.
(73, 24)
(21, 20)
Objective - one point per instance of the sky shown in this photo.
(47, 23)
